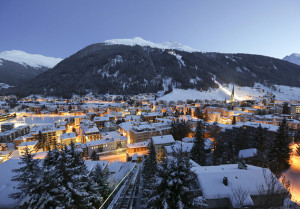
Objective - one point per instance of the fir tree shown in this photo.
(100, 179)
(198, 152)
(94, 156)
(285, 108)
(27, 176)
(297, 137)
(241, 141)
(233, 120)
(218, 151)
(198, 113)
(260, 145)
(172, 189)
(46, 189)
(150, 165)
(279, 154)
(179, 130)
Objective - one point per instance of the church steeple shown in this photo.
(232, 95)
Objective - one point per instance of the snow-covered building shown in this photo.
(159, 142)
(140, 148)
(144, 131)
(32, 147)
(227, 186)
(67, 138)
(108, 143)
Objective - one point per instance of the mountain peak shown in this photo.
(293, 58)
(141, 42)
(26, 59)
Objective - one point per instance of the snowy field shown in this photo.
(282, 93)
(35, 120)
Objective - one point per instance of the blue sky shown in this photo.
(59, 28)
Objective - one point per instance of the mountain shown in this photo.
(18, 66)
(132, 66)
(293, 58)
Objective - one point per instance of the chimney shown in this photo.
(225, 181)
(242, 164)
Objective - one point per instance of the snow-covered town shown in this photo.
(150, 104)
(135, 140)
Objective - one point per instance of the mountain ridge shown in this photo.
(17, 66)
(293, 58)
(138, 68)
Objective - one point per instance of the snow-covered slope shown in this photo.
(183, 95)
(141, 42)
(293, 58)
(282, 93)
(33, 60)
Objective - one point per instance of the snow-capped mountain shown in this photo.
(32, 60)
(293, 58)
(141, 42)
(18, 66)
(133, 66)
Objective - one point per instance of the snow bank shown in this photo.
(192, 94)
(33, 60)
(141, 42)
(282, 93)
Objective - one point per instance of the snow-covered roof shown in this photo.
(138, 144)
(93, 129)
(68, 135)
(166, 139)
(115, 167)
(91, 165)
(186, 147)
(211, 178)
(247, 153)
(105, 140)
(30, 143)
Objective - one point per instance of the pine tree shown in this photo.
(285, 108)
(233, 120)
(198, 113)
(27, 176)
(198, 152)
(297, 137)
(241, 141)
(94, 156)
(279, 154)
(65, 182)
(179, 130)
(261, 146)
(46, 189)
(172, 189)
(82, 188)
(218, 151)
(150, 163)
(100, 179)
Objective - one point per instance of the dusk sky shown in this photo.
(59, 28)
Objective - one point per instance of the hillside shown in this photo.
(18, 66)
(133, 66)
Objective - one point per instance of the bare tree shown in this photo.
(239, 196)
(272, 193)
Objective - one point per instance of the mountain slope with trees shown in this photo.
(132, 69)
